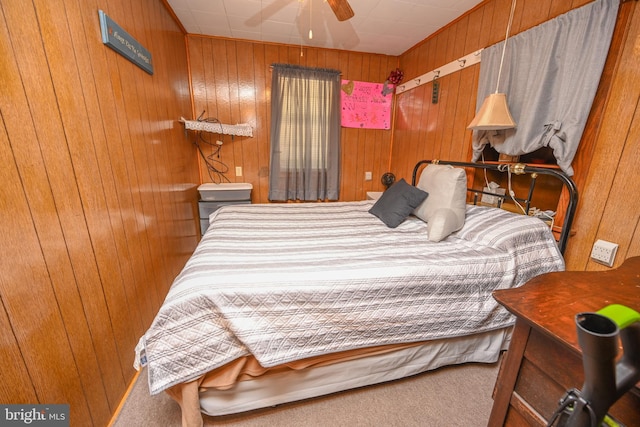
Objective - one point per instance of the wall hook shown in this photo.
(451, 67)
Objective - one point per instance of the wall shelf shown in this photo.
(241, 129)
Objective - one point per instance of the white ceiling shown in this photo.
(379, 26)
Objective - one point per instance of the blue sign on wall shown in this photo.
(120, 41)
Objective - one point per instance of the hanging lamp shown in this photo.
(494, 113)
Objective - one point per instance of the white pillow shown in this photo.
(445, 209)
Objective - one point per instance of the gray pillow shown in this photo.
(397, 203)
(445, 210)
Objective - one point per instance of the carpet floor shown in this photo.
(450, 396)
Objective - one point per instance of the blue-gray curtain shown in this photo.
(550, 76)
(305, 134)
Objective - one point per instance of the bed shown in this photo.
(283, 302)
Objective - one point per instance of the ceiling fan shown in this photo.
(341, 9)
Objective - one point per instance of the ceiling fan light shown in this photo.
(493, 114)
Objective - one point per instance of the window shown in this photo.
(305, 134)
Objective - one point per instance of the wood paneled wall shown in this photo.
(97, 197)
(606, 162)
(231, 82)
(99, 180)
(610, 199)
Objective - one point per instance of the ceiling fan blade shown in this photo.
(342, 9)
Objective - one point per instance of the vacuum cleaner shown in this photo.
(605, 381)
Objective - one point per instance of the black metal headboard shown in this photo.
(521, 169)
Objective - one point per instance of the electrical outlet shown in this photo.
(604, 252)
(238, 170)
(367, 176)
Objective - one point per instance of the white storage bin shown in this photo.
(225, 191)
(206, 208)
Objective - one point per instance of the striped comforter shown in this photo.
(290, 281)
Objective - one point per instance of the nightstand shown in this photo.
(544, 359)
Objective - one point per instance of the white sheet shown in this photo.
(291, 386)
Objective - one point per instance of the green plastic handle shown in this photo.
(623, 316)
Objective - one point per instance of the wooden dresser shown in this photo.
(544, 359)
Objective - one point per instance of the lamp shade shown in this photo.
(493, 115)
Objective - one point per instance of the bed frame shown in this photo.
(519, 169)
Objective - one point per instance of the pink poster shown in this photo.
(366, 105)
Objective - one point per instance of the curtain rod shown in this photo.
(303, 66)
